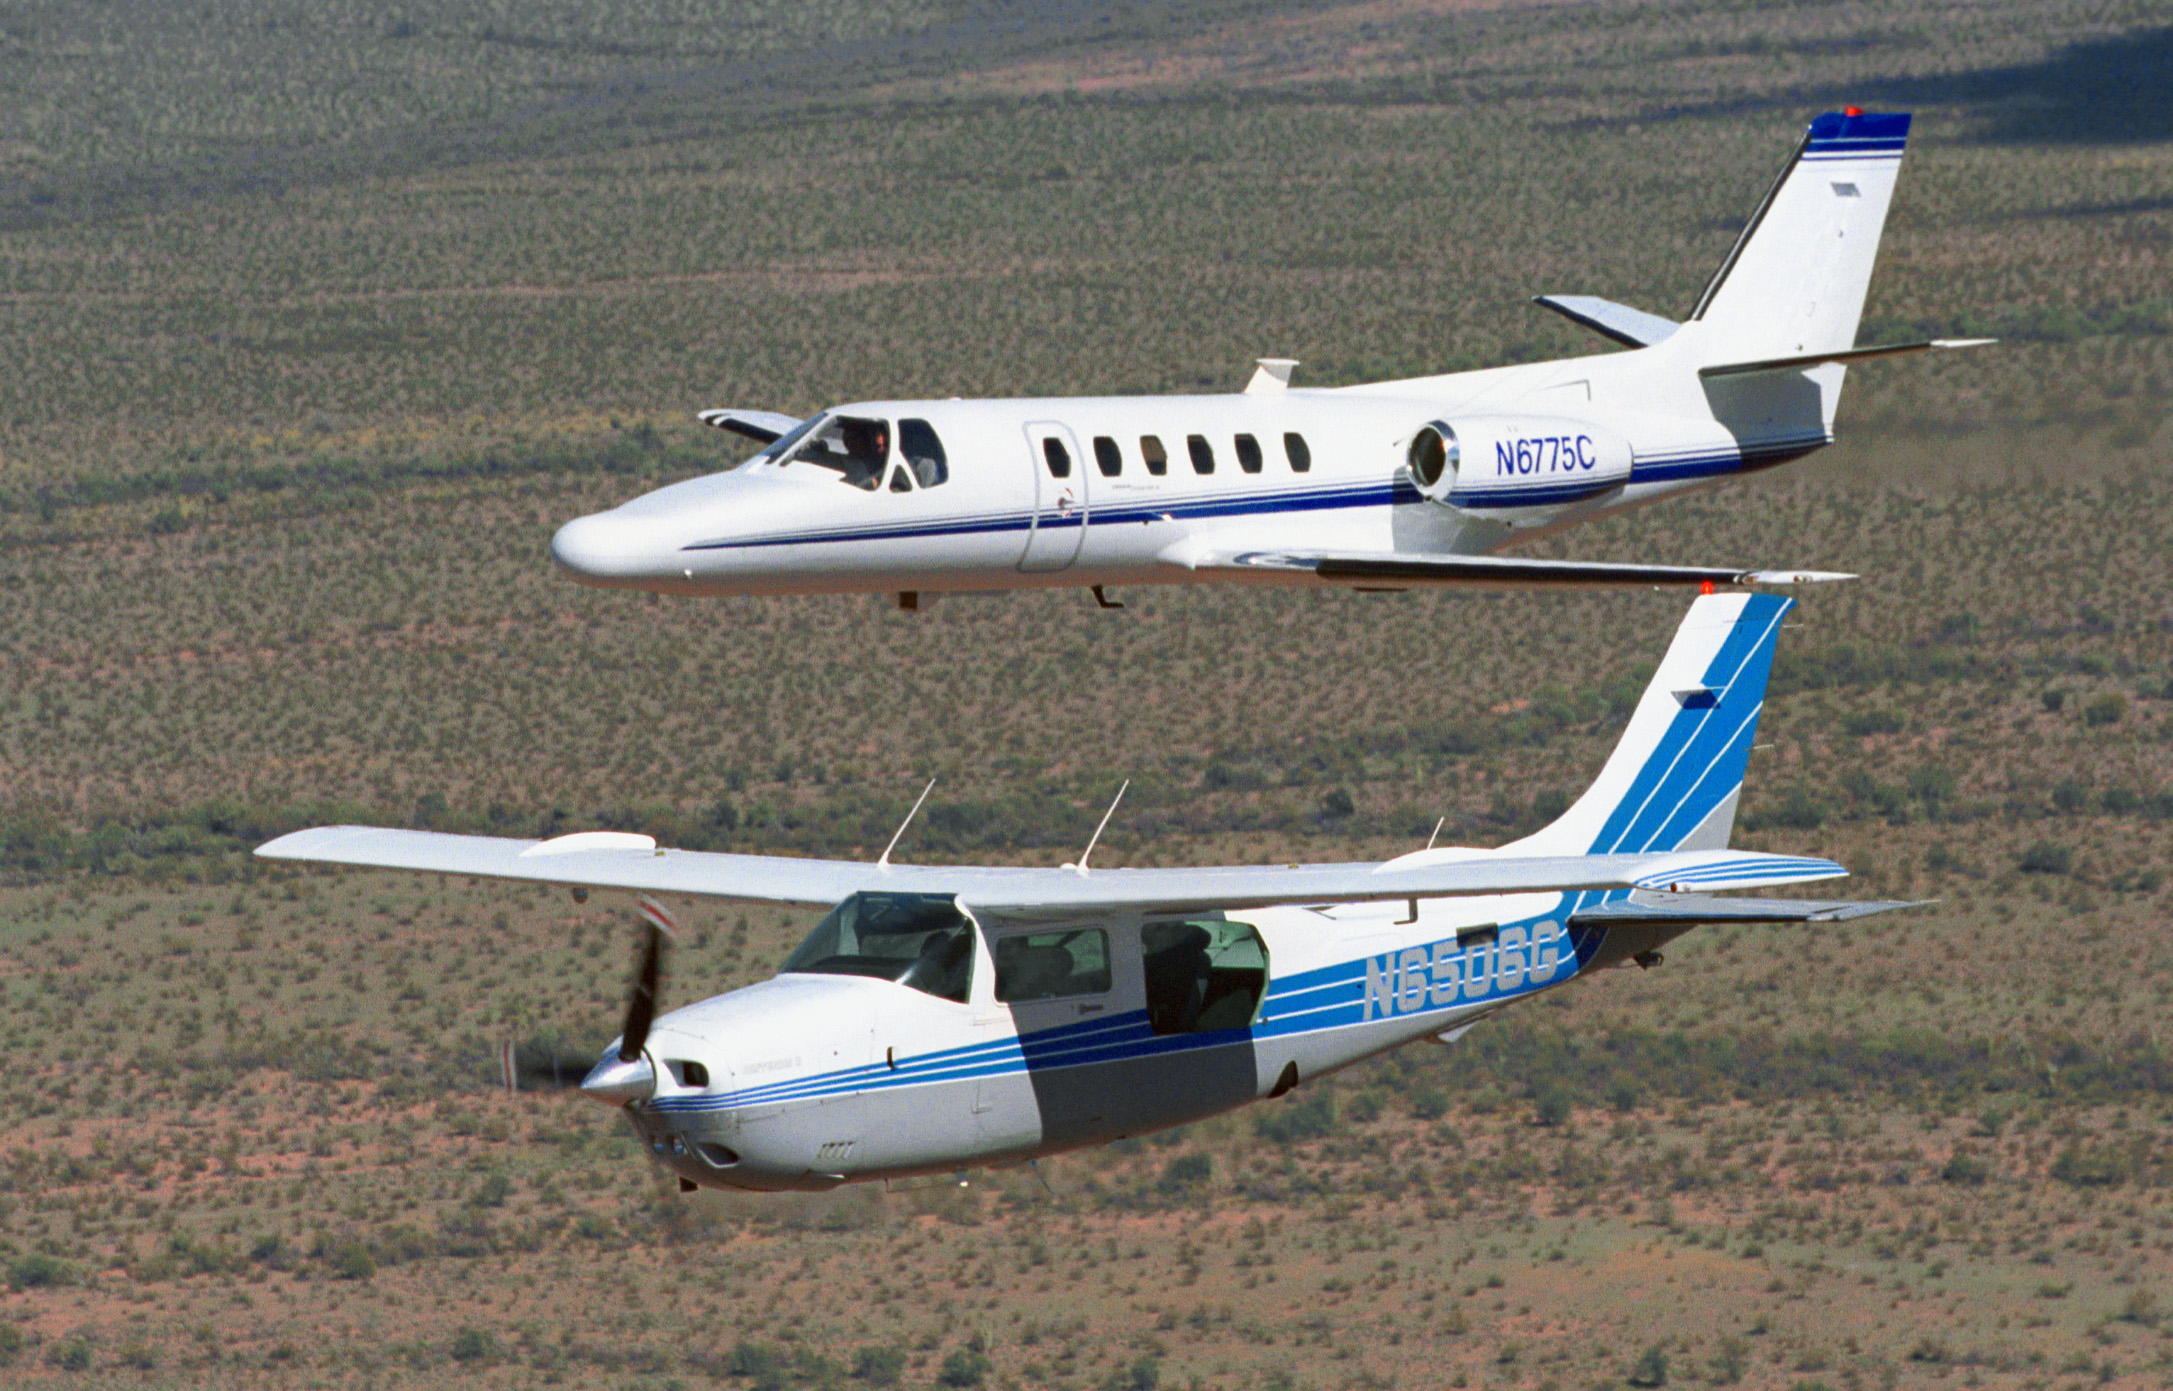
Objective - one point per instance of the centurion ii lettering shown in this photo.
(1458, 971)
(1545, 454)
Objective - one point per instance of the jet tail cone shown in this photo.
(615, 1081)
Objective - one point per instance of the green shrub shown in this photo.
(965, 1367)
(1296, 1120)
(1185, 1171)
(2047, 858)
(39, 1271)
(473, 1345)
(1650, 1368)
(2106, 709)
(879, 1366)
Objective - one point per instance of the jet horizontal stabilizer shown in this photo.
(763, 427)
(1633, 328)
(1794, 364)
(1683, 910)
(1392, 571)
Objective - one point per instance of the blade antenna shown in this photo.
(1437, 832)
(884, 861)
(1097, 837)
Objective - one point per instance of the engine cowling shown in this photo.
(1509, 468)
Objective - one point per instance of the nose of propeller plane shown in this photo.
(615, 1081)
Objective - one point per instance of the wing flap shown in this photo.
(1388, 570)
(1688, 909)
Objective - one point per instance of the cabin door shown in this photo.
(1060, 498)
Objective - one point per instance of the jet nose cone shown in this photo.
(603, 548)
(615, 1081)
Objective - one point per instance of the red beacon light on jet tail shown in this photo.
(1852, 111)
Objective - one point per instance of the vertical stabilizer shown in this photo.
(1673, 779)
(1796, 279)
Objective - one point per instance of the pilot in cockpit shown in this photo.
(867, 449)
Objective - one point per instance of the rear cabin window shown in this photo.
(1107, 457)
(1294, 447)
(1052, 965)
(923, 453)
(1203, 453)
(1153, 455)
(1248, 453)
(1202, 976)
(1058, 456)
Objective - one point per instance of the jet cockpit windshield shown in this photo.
(858, 450)
(920, 940)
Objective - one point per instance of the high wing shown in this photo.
(764, 427)
(1392, 570)
(611, 860)
(1689, 910)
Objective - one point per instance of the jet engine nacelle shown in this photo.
(1512, 468)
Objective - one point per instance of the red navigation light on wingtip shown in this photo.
(1706, 587)
(1852, 111)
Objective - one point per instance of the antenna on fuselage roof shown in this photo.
(884, 861)
(1096, 838)
(1437, 832)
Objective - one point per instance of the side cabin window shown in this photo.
(917, 940)
(1107, 457)
(856, 448)
(1248, 453)
(1295, 449)
(1203, 453)
(923, 453)
(1202, 976)
(1053, 450)
(1052, 965)
(1153, 455)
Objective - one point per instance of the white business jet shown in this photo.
(941, 1018)
(1395, 484)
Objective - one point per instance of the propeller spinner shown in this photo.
(625, 1074)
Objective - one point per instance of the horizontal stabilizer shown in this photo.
(1797, 364)
(1395, 571)
(1680, 910)
(1633, 328)
(764, 427)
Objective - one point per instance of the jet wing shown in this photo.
(616, 860)
(1393, 570)
(764, 427)
(1682, 910)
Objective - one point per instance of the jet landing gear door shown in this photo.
(1060, 498)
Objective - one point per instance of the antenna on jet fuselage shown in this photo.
(1096, 838)
(1437, 832)
(883, 862)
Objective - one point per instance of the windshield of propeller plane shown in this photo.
(859, 450)
(920, 940)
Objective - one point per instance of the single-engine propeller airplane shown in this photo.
(1382, 486)
(941, 1018)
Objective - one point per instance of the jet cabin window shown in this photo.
(923, 453)
(1294, 447)
(1107, 457)
(1203, 453)
(1153, 455)
(1053, 450)
(857, 449)
(1248, 454)
(1202, 976)
(1052, 965)
(920, 940)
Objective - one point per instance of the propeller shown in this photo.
(623, 1075)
